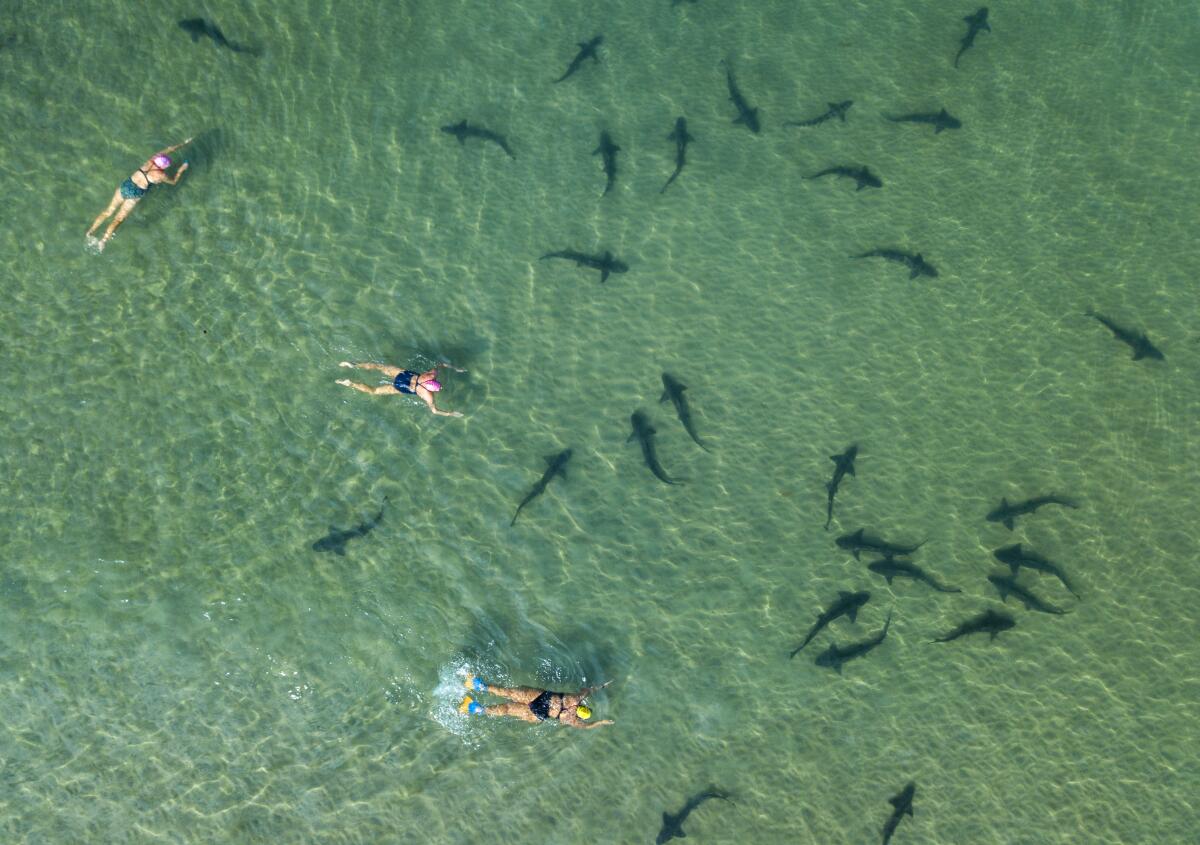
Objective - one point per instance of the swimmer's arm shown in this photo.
(172, 149)
(568, 717)
(178, 174)
(428, 399)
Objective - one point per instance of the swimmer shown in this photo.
(152, 172)
(534, 705)
(422, 385)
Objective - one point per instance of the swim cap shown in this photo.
(162, 161)
(432, 385)
(583, 712)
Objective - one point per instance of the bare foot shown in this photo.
(345, 364)
(344, 382)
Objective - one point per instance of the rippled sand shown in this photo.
(180, 666)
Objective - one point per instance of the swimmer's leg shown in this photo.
(387, 369)
(381, 390)
(122, 213)
(508, 708)
(520, 695)
(112, 206)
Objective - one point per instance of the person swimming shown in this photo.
(152, 172)
(422, 385)
(533, 705)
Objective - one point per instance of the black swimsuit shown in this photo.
(402, 381)
(131, 190)
(540, 706)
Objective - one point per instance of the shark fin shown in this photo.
(853, 614)
(1008, 523)
(889, 578)
(665, 396)
(604, 273)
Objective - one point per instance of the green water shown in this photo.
(179, 666)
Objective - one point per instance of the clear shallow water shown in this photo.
(179, 666)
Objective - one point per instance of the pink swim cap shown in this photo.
(432, 385)
(162, 161)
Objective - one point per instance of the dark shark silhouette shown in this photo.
(746, 114)
(847, 604)
(989, 622)
(1137, 341)
(1015, 557)
(608, 154)
(672, 825)
(976, 23)
(916, 264)
(834, 657)
(335, 541)
(587, 50)
(463, 130)
(606, 264)
(1007, 585)
(891, 568)
(843, 465)
(938, 120)
(837, 110)
(673, 389)
(1006, 513)
(200, 28)
(861, 175)
(858, 542)
(681, 138)
(556, 465)
(644, 432)
(901, 804)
